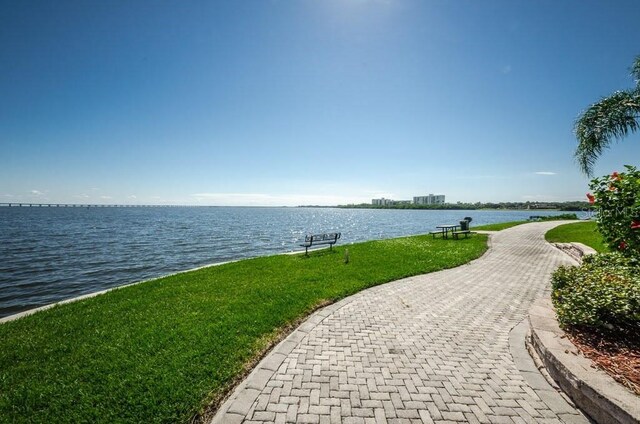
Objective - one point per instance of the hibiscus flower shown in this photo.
(591, 198)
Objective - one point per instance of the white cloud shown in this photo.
(36, 192)
(133, 196)
(545, 173)
(380, 194)
(106, 197)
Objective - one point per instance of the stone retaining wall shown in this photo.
(592, 390)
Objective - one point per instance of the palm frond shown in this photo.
(610, 119)
(635, 71)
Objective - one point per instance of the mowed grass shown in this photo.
(161, 351)
(582, 232)
(498, 227)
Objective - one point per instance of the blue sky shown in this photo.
(305, 101)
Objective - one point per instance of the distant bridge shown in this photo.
(82, 205)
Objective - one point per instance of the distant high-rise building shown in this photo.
(431, 199)
(381, 202)
(389, 202)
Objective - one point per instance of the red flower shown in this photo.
(622, 245)
(616, 176)
(635, 224)
(591, 198)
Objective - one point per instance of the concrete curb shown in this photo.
(575, 250)
(586, 250)
(532, 372)
(592, 390)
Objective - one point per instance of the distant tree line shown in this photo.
(561, 206)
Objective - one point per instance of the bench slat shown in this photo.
(466, 233)
(328, 238)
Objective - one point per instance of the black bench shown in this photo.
(456, 234)
(315, 239)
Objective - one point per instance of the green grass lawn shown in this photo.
(582, 232)
(161, 351)
(498, 227)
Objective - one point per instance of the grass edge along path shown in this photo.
(499, 226)
(163, 350)
(581, 232)
(505, 225)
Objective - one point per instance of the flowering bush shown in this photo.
(604, 291)
(617, 201)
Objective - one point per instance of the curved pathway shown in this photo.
(430, 348)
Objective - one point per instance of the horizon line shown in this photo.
(168, 205)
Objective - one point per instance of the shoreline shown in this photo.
(30, 299)
(37, 309)
(32, 311)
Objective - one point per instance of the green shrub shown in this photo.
(603, 292)
(559, 217)
(617, 201)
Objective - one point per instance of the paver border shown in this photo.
(238, 404)
(593, 390)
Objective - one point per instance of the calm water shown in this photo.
(51, 254)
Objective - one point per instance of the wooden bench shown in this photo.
(315, 239)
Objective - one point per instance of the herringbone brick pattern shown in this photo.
(432, 348)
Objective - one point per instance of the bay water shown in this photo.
(50, 254)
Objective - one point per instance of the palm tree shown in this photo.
(610, 119)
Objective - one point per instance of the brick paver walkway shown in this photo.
(431, 348)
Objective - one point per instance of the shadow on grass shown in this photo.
(321, 253)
